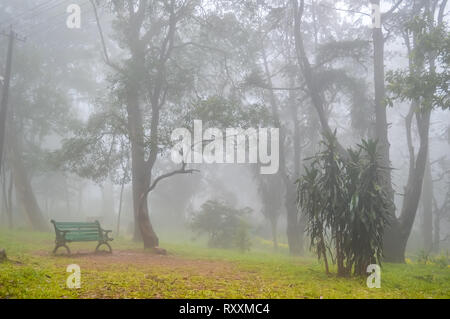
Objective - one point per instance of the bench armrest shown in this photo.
(106, 234)
(61, 234)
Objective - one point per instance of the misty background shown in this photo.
(229, 63)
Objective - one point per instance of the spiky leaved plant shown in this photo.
(345, 208)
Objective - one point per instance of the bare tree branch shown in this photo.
(388, 14)
(345, 10)
(182, 170)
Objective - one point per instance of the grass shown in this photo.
(193, 271)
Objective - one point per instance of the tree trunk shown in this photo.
(395, 251)
(10, 202)
(23, 186)
(140, 175)
(120, 206)
(294, 231)
(402, 228)
(437, 232)
(7, 196)
(381, 125)
(148, 234)
(296, 141)
(393, 245)
(427, 206)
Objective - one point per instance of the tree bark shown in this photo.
(437, 227)
(23, 186)
(120, 206)
(414, 185)
(139, 173)
(427, 208)
(381, 125)
(294, 230)
(393, 245)
(308, 74)
(10, 202)
(7, 188)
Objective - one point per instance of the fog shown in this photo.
(93, 104)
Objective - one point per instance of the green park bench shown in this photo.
(68, 232)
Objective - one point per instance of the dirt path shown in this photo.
(144, 260)
(141, 274)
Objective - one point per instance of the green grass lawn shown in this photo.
(192, 271)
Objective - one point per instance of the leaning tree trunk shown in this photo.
(23, 186)
(398, 234)
(413, 188)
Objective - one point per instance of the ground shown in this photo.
(193, 271)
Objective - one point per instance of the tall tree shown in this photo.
(427, 89)
(149, 31)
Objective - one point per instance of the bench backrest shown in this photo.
(78, 230)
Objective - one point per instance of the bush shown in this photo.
(442, 260)
(345, 207)
(242, 238)
(224, 225)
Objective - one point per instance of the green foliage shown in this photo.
(224, 225)
(218, 111)
(339, 80)
(428, 85)
(423, 257)
(345, 207)
(426, 258)
(442, 260)
(242, 238)
(99, 149)
(355, 50)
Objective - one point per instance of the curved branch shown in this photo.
(182, 170)
(388, 14)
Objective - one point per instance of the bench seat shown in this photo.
(67, 232)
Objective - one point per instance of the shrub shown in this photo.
(224, 225)
(345, 208)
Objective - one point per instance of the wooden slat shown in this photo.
(76, 224)
(75, 233)
(75, 237)
(80, 231)
(78, 227)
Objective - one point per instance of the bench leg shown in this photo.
(61, 245)
(103, 243)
